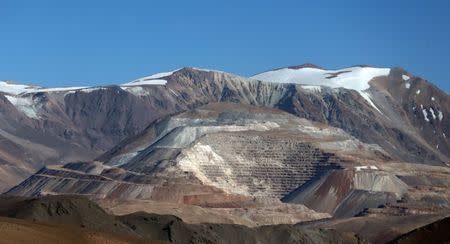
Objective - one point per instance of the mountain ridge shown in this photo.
(168, 73)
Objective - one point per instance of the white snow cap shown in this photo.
(355, 78)
(160, 75)
(154, 79)
(15, 89)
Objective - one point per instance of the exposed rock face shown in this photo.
(69, 127)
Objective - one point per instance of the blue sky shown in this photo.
(66, 43)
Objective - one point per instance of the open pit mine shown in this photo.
(293, 155)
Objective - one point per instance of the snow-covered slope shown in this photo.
(19, 89)
(154, 79)
(15, 89)
(355, 78)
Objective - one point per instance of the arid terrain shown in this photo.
(293, 155)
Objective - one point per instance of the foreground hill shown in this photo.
(436, 232)
(12, 231)
(76, 220)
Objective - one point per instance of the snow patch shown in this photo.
(440, 115)
(208, 70)
(159, 75)
(425, 115)
(136, 90)
(418, 92)
(312, 88)
(151, 80)
(24, 105)
(432, 99)
(142, 82)
(407, 85)
(69, 92)
(91, 89)
(57, 89)
(368, 98)
(372, 167)
(405, 77)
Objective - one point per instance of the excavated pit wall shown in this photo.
(256, 164)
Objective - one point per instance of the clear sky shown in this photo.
(87, 42)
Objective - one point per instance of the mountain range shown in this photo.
(297, 145)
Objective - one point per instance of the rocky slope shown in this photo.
(403, 114)
(408, 117)
(230, 148)
(241, 159)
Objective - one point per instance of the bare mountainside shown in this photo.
(360, 150)
(403, 114)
